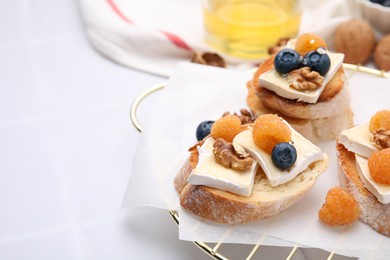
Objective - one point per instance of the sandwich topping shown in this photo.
(382, 138)
(290, 81)
(245, 116)
(379, 166)
(204, 129)
(269, 142)
(230, 156)
(370, 143)
(268, 130)
(358, 140)
(210, 173)
(287, 60)
(227, 127)
(380, 191)
(221, 164)
(308, 42)
(305, 79)
(380, 128)
(288, 164)
(272, 135)
(284, 155)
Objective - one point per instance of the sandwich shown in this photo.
(363, 154)
(244, 170)
(305, 84)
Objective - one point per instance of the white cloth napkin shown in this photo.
(154, 36)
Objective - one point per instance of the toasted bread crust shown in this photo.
(339, 101)
(228, 208)
(333, 99)
(372, 212)
(314, 129)
(320, 121)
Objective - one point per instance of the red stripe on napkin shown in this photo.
(176, 40)
(118, 11)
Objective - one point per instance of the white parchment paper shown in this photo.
(196, 93)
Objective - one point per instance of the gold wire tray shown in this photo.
(213, 250)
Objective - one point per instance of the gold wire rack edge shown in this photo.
(137, 101)
(174, 214)
(204, 247)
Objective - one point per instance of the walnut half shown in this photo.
(227, 156)
(382, 138)
(305, 79)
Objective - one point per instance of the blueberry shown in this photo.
(318, 61)
(287, 60)
(284, 155)
(203, 129)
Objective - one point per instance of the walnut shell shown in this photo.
(382, 53)
(208, 58)
(356, 39)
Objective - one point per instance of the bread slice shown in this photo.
(322, 109)
(372, 212)
(228, 208)
(333, 101)
(313, 129)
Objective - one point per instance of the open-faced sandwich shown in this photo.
(305, 84)
(364, 169)
(247, 170)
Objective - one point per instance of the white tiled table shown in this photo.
(66, 144)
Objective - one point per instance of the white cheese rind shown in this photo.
(272, 80)
(209, 173)
(380, 191)
(307, 153)
(358, 140)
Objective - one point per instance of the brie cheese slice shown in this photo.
(272, 80)
(358, 140)
(380, 191)
(210, 173)
(307, 153)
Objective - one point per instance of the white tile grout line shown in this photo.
(67, 198)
